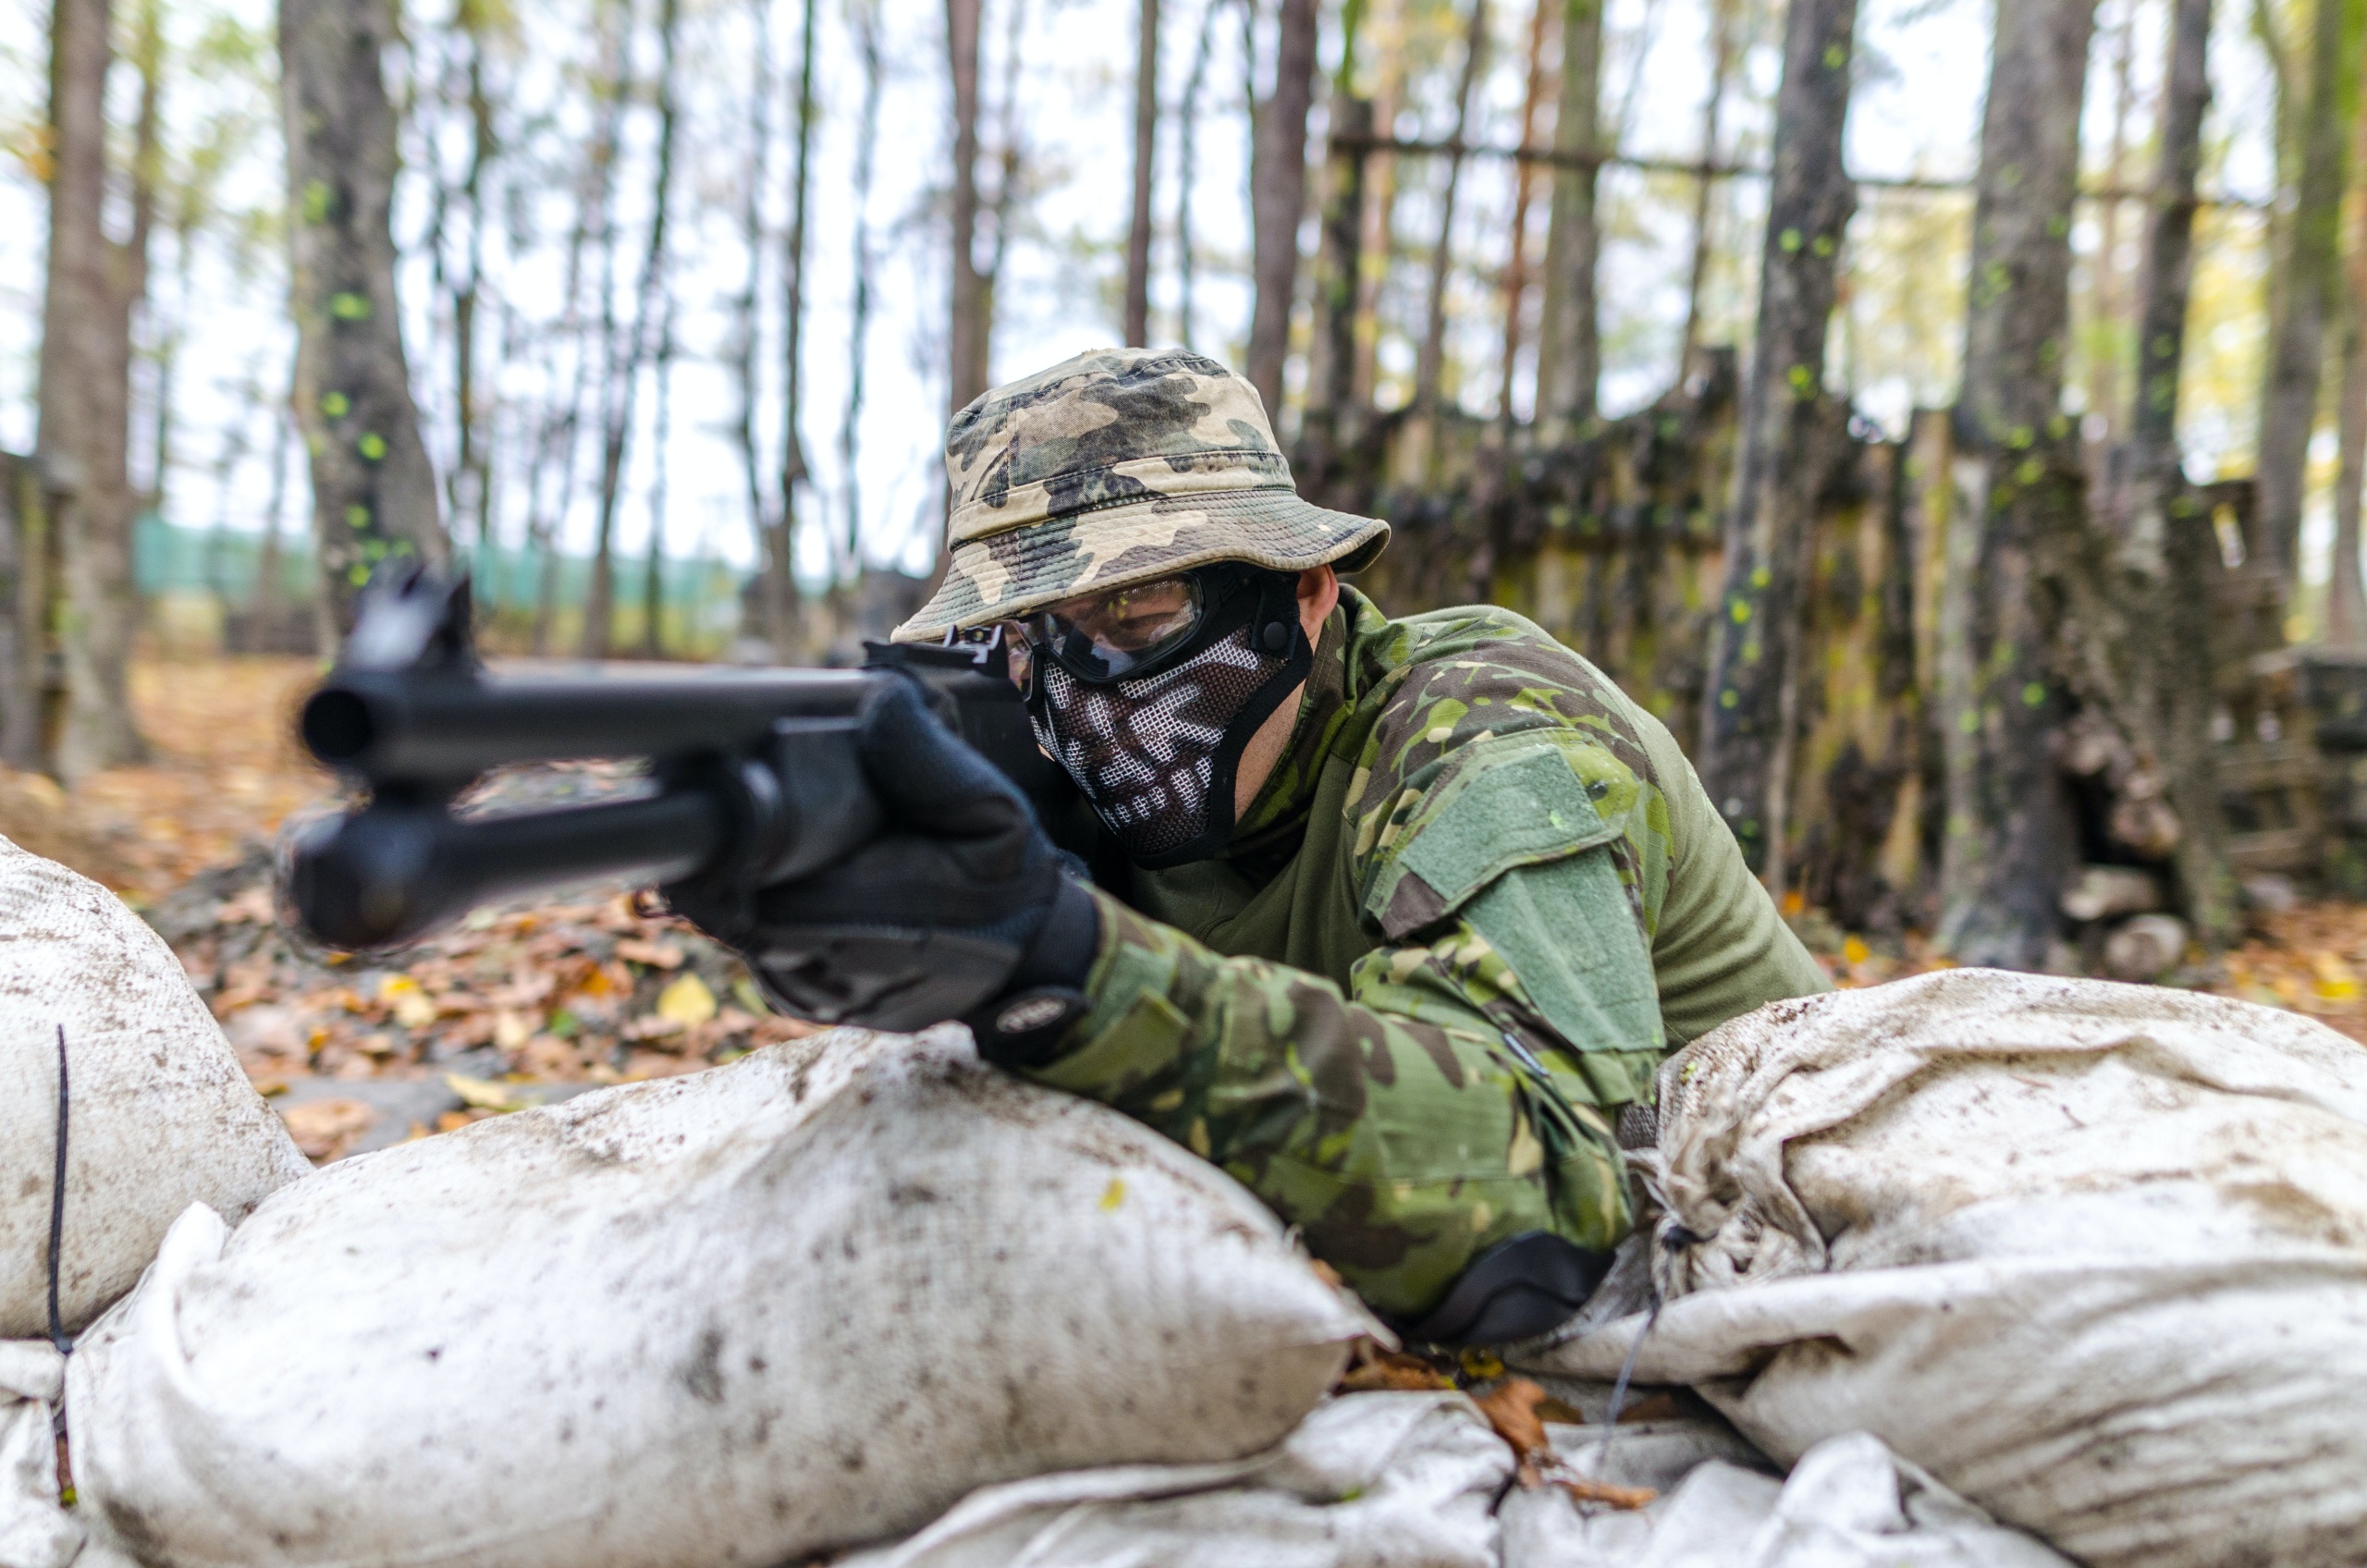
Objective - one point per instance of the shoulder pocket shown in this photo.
(1505, 806)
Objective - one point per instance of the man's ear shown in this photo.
(1319, 594)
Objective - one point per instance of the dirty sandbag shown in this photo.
(1848, 1504)
(2094, 1255)
(159, 1114)
(35, 1529)
(1370, 1480)
(806, 1300)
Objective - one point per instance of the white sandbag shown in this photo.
(35, 1529)
(1374, 1480)
(2094, 1255)
(160, 1116)
(809, 1299)
(1848, 1504)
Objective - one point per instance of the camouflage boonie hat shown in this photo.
(1117, 466)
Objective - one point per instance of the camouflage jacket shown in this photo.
(1478, 899)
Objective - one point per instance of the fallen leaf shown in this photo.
(1603, 1493)
(412, 1007)
(657, 955)
(687, 1000)
(1511, 1409)
(323, 1128)
(1372, 1367)
(481, 1094)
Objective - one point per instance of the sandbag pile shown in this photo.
(159, 1114)
(2092, 1256)
(809, 1299)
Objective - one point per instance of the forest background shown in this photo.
(652, 311)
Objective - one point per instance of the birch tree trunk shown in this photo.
(373, 489)
(1569, 353)
(1746, 730)
(2008, 847)
(967, 324)
(2309, 303)
(1278, 198)
(1145, 147)
(91, 288)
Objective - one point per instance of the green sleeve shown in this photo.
(1721, 950)
(1403, 1131)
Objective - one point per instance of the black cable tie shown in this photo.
(58, 1335)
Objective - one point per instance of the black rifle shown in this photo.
(758, 779)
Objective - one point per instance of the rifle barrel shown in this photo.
(398, 727)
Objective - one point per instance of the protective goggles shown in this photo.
(1126, 632)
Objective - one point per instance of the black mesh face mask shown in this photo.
(1156, 753)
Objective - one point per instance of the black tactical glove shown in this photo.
(960, 908)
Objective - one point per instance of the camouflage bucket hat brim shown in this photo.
(1114, 467)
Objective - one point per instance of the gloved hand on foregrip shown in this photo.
(960, 908)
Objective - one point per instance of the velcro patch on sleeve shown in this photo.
(1500, 809)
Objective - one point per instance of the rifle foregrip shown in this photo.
(392, 871)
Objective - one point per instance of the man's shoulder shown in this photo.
(1490, 745)
(1443, 681)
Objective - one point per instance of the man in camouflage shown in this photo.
(1460, 899)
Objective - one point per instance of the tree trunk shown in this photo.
(1145, 147)
(747, 332)
(653, 581)
(599, 602)
(967, 325)
(1516, 261)
(2346, 601)
(373, 490)
(1430, 365)
(92, 287)
(471, 489)
(1334, 417)
(264, 609)
(19, 639)
(795, 474)
(859, 316)
(2167, 556)
(1746, 733)
(1723, 21)
(1569, 353)
(1187, 141)
(2311, 299)
(2104, 295)
(2021, 512)
(1278, 198)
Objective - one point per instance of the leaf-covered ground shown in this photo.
(509, 1007)
(519, 1005)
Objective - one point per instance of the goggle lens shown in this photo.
(1106, 636)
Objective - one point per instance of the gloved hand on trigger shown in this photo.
(960, 908)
